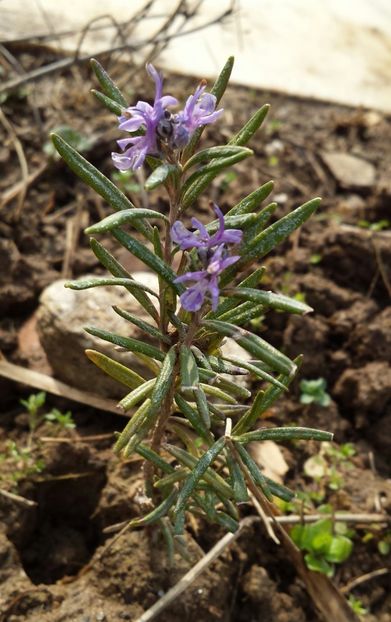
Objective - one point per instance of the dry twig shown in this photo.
(51, 385)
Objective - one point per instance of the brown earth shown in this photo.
(50, 567)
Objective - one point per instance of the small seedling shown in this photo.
(64, 420)
(379, 225)
(357, 606)
(33, 405)
(314, 392)
(327, 466)
(19, 463)
(324, 544)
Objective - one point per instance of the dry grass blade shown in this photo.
(51, 385)
(22, 160)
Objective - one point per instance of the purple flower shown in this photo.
(159, 125)
(206, 281)
(186, 239)
(199, 110)
(145, 116)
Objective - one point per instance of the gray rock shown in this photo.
(349, 171)
(62, 316)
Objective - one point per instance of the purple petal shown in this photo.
(157, 78)
(168, 100)
(228, 261)
(181, 236)
(192, 298)
(208, 103)
(191, 276)
(203, 232)
(214, 292)
(232, 236)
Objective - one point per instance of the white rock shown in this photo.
(349, 171)
(62, 316)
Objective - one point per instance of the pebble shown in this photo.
(350, 171)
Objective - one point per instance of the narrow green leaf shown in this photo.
(269, 299)
(217, 90)
(270, 237)
(144, 326)
(254, 470)
(200, 468)
(221, 382)
(211, 477)
(243, 313)
(108, 86)
(260, 373)
(157, 513)
(165, 380)
(116, 370)
(117, 270)
(226, 521)
(109, 103)
(229, 303)
(237, 480)
(218, 393)
(206, 155)
(284, 434)
(160, 174)
(252, 125)
(242, 221)
(148, 454)
(172, 478)
(254, 230)
(198, 181)
(262, 402)
(194, 417)
(138, 394)
(132, 426)
(188, 368)
(96, 180)
(157, 243)
(130, 284)
(221, 366)
(251, 202)
(202, 405)
(150, 259)
(200, 358)
(133, 345)
(258, 347)
(280, 491)
(123, 217)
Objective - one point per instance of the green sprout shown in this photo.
(314, 392)
(357, 606)
(33, 405)
(64, 420)
(325, 544)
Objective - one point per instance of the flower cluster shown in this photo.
(157, 125)
(213, 255)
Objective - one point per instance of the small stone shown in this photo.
(100, 616)
(349, 171)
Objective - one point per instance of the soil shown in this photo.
(51, 567)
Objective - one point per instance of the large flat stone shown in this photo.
(62, 316)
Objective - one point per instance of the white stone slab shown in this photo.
(334, 50)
